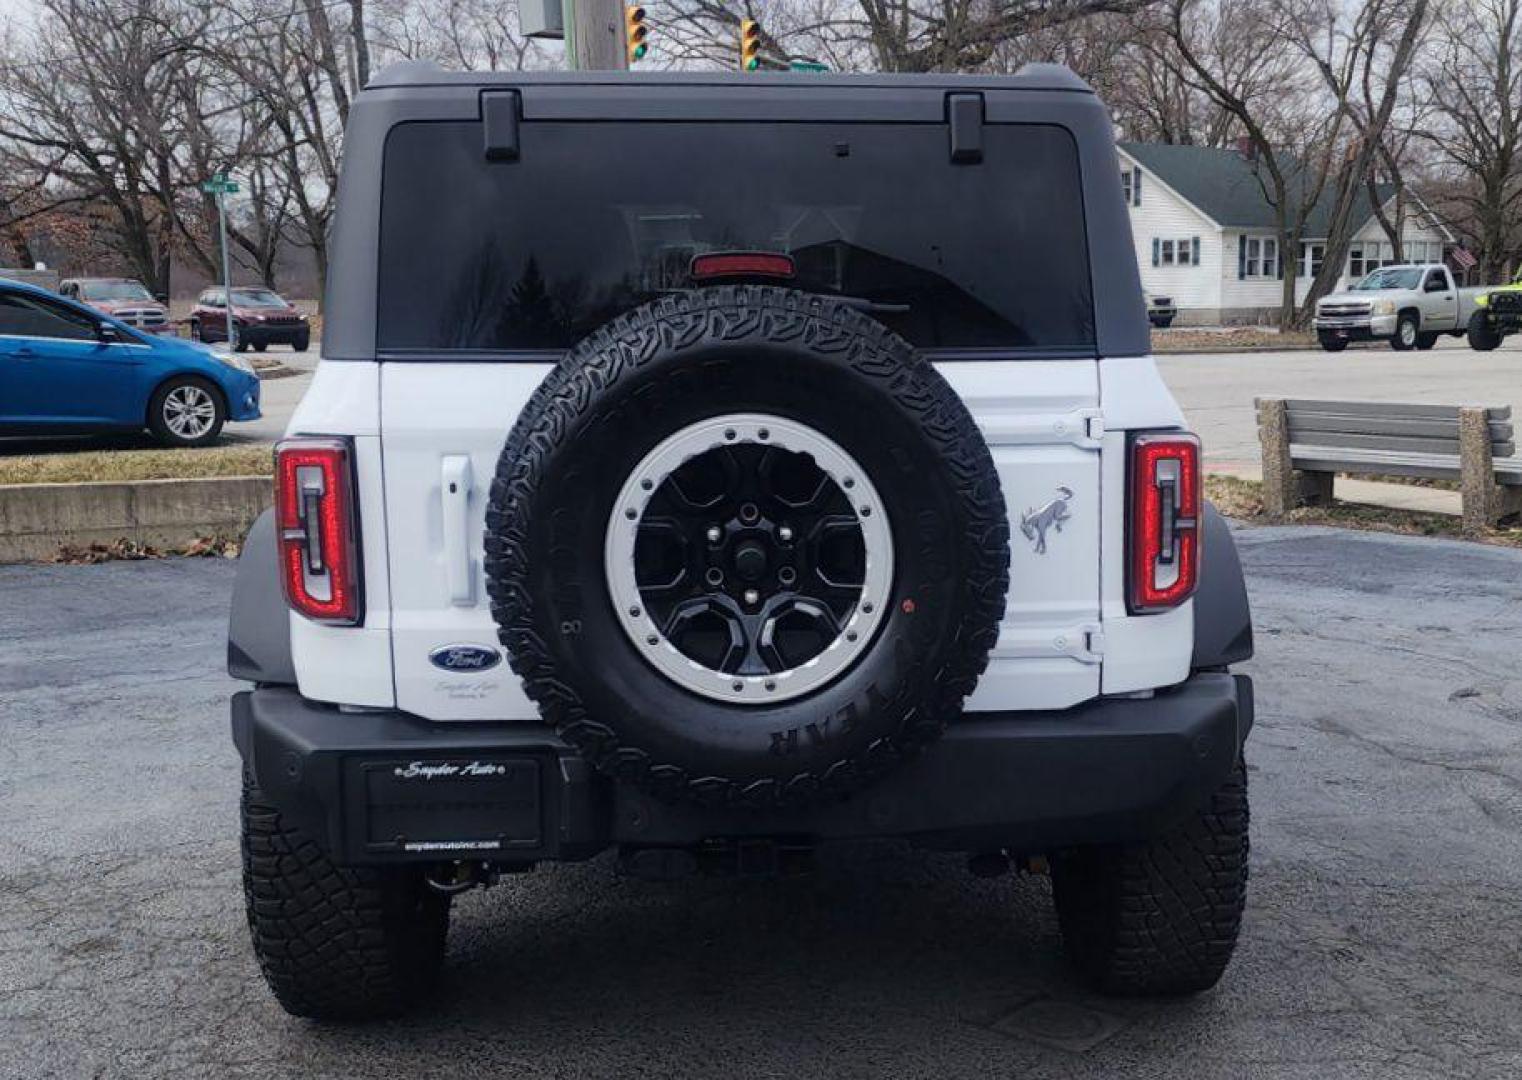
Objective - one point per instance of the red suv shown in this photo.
(123, 299)
(261, 318)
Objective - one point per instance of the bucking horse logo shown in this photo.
(1035, 523)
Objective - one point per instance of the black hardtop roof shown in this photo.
(423, 92)
(421, 73)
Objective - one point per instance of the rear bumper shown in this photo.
(388, 787)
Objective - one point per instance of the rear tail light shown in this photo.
(725, 264)
(1164, 520)
(314, 517)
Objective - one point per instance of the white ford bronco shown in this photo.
(707, 469)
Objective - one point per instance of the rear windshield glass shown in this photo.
(597, 218)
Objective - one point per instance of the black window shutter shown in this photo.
(1136, 187)
(1278, 262)
(1241, 256)
(1156, 249)
(1194, 251)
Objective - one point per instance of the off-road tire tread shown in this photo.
(1482, 336)
(682, 320)
(1159, 918)
(335, 943)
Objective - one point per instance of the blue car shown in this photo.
(68, 369)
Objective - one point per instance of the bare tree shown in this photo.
(90, 114)
(1290, 132)
(1473, 74)
(1363, 64)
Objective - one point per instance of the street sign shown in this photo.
(807, 65)
(219, 185)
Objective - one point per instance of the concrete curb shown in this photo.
(38, 519)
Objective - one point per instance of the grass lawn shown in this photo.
(118, 465)
(1187, 340)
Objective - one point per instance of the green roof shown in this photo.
(1231, 190)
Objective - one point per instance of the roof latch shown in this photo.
(499, 118)
(964, 115)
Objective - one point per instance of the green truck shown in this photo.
(1498, 312)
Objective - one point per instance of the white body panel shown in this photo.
(350, 665)
(432, 413)
(1055, 429)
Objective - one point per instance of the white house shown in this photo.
(1206, 236)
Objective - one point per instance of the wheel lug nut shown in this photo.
(714, 534)
(749, 514)
(785, 533)
(752, 597)
(714, 576)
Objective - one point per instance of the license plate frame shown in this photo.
(448, 806)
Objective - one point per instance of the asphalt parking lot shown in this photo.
(1381, 937)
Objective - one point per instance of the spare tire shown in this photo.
(744, 546)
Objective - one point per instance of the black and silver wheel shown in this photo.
(186, 411)
(745, 547)
(1331, 342)
(750, 558)
(1425, 341)
(1407, 331)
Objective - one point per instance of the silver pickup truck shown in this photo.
(1408, 306)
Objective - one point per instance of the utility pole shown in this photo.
(594, 35)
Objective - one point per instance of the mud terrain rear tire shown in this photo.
(335, 943)
(1161, 917)
(677, 364)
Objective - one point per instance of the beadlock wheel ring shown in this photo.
(855, 625)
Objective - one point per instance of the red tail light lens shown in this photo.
(724, 264)
(314, 518)
(1165, 521)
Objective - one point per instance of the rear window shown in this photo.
(596, 218)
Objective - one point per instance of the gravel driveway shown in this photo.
(1382, 936)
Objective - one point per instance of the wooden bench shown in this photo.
(1306, 443)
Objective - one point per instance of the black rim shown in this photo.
(750, 559)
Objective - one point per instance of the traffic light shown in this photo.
(635, 32)
(750, 44)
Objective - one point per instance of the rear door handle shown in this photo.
(459, 567)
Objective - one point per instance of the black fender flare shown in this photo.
(1222, 618)
(259, 627)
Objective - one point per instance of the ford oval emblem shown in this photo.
(465, 658)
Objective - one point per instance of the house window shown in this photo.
(1366, 256)
(1260, 257)
(1130, 185)
(1311, 258)
(1182, 251)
